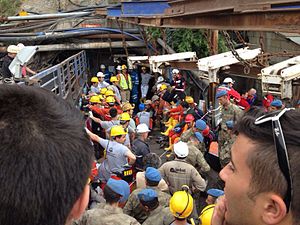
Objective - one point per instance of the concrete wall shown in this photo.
(273, 42)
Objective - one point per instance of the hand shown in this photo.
(91, 114)
(218, 217)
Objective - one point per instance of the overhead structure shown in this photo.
(156, 61)
(278, 78)
(212, 64)
(251, 15)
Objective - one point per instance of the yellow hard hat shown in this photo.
(103, 90)
(206, 214)
(94, 80)
(109, 93)
(163, 87)
(127, 106)
(95, 99)
(113, 79)
(110, 99)
(101, 97)
(117, 130)
(125, 116)
(124, 67)
(181, 204)
(189, 99)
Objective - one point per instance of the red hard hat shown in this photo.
(189, 118)
(205, 132)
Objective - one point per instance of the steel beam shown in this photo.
(92, 45)
(276, 20)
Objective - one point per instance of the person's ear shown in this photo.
(80, 204)
(274, 209)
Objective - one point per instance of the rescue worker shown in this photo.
(195, 156)
(275, 105)
(143, 116)
(145, 77)
(200, 125)
(115, 88)
(94, 88)
(12, 51)
(150, 160)
(206, 214)
(212, 195)
(178, 83)
(102, 83)
(127, 107)
(228, 86)
(178, 172)
(125, 84)
(132, 206)
(116, 193)
(229, 112)
(225, 155)
(158, 215)
(124, 122)
(139, 146)
(116, 152)
(105, 72)
(181, 206)
(107, 125)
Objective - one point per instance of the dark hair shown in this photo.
(153, 204)
(45, 156)
(151, 160)
(113, 112)
(110, 196)
(151, 183)
(263, 163)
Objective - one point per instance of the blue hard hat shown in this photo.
(215, 192)
(153, 174)
(147, 195)
(229, 124)
(276, 103)
(221, 93)
(177, 129)
(199, 136)
(142, 107)
(120, 187)
(200, 124)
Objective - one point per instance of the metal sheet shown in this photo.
(137, 8)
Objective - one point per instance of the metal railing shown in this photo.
(65, 79)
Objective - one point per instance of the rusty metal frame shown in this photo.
(226, 15)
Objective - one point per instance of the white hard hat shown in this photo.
(160, 79)
(181, 149)
(175, 71)
(102, 66)
(142, 128)
(21, 46)
(13, 49)
(119, 67)
(228, 80)
(100, 74)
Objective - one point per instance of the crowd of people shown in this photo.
(58, 168)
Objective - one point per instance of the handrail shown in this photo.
(63, 78)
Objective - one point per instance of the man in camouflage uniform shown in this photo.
(132, 206)
(196, 151)
(229, 112)
(200, 125)
(158, 214)
(116, 193)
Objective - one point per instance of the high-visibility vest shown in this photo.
(125, 84)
